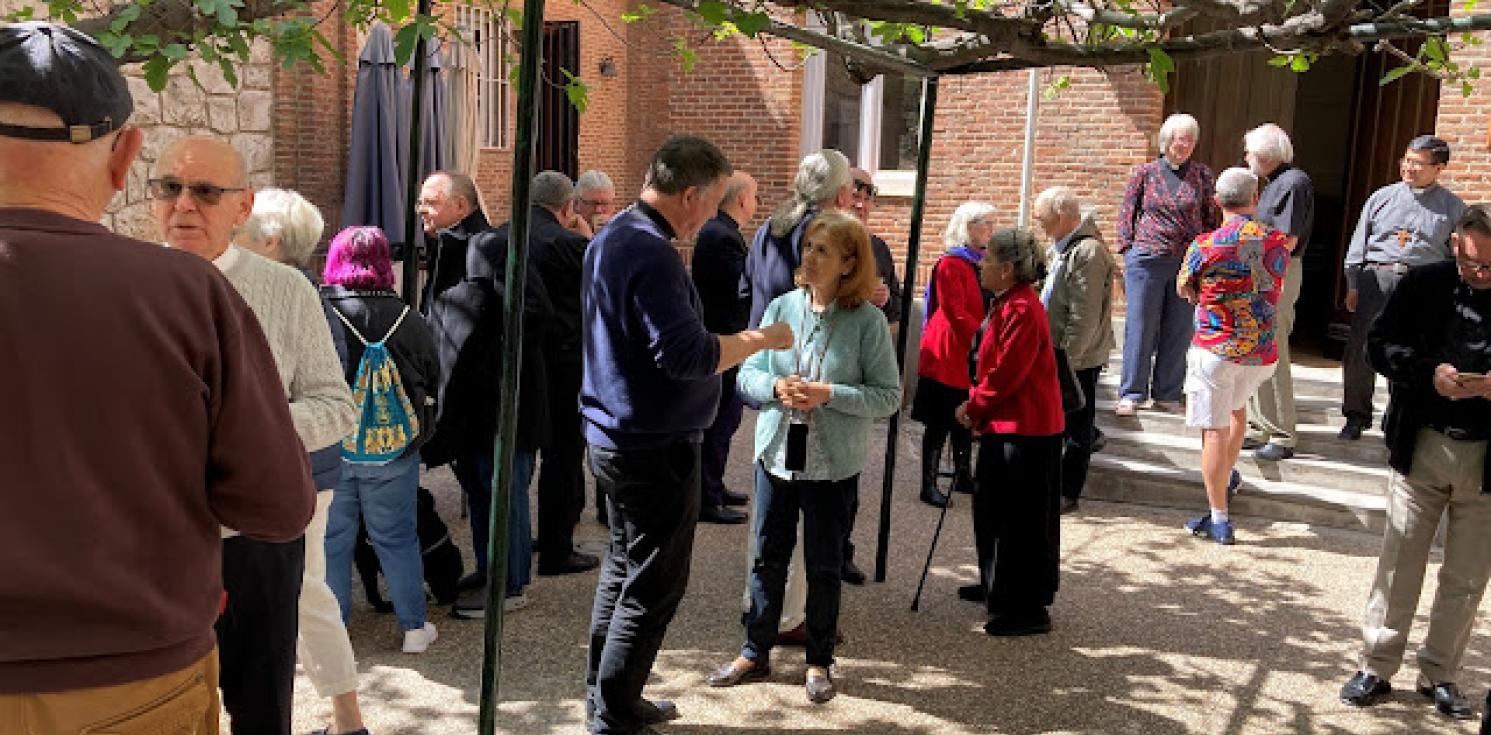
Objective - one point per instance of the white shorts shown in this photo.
(1215, 387)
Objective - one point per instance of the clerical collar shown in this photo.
(658, 219)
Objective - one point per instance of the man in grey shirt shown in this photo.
(1286, 204)
(1402, 225)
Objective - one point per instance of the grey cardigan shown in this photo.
(1081, 308)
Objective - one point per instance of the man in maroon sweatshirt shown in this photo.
(143, 412)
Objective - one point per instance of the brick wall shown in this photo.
(1465, 123)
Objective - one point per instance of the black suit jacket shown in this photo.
(719, 275)
(557, 254)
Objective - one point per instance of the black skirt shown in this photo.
(935, 402)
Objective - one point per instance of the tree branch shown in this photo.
(174, 20)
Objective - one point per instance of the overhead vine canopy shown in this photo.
(915, 37)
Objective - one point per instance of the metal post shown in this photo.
(1027, 162)
(913, 251)
(412, 230)
(512, 356)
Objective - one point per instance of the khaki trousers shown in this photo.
(321, 641)
(1444, 481)
(1271, 415)
(179, 703)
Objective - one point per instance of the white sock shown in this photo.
(1218, 516)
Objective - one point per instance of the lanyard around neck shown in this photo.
(802, 349)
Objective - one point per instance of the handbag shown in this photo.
(1072, 399)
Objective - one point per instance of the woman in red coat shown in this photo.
(1015, 408)
(955, 307)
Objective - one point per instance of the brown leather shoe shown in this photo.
(820, 689)
(796, 637)
(730, 675)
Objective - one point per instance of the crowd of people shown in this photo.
(261, 427)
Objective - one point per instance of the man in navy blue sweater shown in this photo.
(650, 389)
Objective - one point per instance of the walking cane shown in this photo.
(916, 602)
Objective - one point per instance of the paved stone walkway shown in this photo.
(1155, 633)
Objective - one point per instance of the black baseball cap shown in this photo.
(63, 70)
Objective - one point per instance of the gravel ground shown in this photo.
(1155, 633)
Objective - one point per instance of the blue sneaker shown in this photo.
(1233, 483)
(1200, 526)
(1221, 532)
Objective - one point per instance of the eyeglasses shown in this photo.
(201, 191)
(1414, 163)
(865, 187)
(598, 203)
(1474, 266)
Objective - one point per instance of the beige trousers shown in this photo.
(179, 703)
(1444, 481)
(322, 644)
(1271, 415)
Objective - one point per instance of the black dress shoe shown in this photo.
(820, 689)
(971, 592)
(575, 563)
(655, 711)
(720, 514)
(1447, 698)
(933, 497)
(851, 573)
(1365, 690)
(1351, 431)
(734, 498)
(1009, 625)
(729, 676)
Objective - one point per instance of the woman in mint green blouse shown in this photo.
(818, 401)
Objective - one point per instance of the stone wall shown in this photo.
(208, 105)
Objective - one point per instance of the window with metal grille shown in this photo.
(486, 32)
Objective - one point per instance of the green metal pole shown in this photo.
(512, 356)
(412, 230)
(913, 252)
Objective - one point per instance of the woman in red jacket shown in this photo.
(955, 307)
(1015, 408)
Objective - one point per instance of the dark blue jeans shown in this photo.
(1157, 330)
(824, 507)
(716, 448)
(474, 471)
(652, 503)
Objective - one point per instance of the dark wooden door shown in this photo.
(559, 121)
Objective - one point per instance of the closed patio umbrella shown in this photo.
(375, 187)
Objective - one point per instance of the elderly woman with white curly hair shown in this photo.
(285, 227)
(1167, 203)
(955, 308)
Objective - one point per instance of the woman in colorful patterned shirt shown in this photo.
(1233, 275)
(1168, 203)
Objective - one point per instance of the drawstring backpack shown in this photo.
(387, 424)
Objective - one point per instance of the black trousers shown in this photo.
(716, 447)
(1359, 380)
(1016, 520)
(652, 503)
(561, 473)
(256, 633)
(1076, 455)
(823, 507)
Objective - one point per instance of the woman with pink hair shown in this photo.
(358, 285)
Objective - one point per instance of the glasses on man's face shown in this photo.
(598, 203)
(1473, 266)
(866, 188)
(169, 188)
(1415, 164)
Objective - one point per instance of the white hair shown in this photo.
(1236, 187)
(1180, 122)
(592, 180)
(1270, 143)
(957, 228)
(820, 176)
(1061, 201)
(287, 215)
